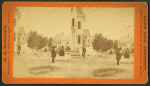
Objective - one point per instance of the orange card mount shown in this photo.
(75, 42)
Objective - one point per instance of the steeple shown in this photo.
(78, 10)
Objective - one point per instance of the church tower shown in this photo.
(78, 18)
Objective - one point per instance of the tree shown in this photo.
(32, 39)
(97, 44)
(101, 44)
(36, 41)
(41, 42)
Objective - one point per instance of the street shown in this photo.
(41, 66)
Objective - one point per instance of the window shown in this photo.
(67, 42)
(73, 22)
(79, 39)
(60, 42)
(79, 24)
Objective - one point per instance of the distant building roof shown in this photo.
(126, 39)
(86, 32)
(62, 37)
(21, 30)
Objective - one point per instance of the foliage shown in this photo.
(97, 42)
(36, 41)
(102, 44)
(41, 42)
(32, 39)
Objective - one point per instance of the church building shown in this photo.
(80, 36)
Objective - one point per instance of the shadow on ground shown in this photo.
(107, 72)
(42, 69)
(67, 60)
(126, 62)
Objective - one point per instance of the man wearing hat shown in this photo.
(53, 54)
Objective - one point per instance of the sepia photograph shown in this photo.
(74, 42)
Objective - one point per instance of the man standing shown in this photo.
(53, 54)
(118, 56)
(19, 49)
(83, 51)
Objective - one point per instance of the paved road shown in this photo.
(33, 66)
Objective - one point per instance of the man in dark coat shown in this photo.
(19, 49)
(53, 54)
(62, 51)
(118, 56)
(83, 51)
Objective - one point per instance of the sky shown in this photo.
(49, 21)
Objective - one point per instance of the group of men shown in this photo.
(61, 53)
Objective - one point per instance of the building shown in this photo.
(80, 36)
(20, 37)
(126, 42)
(62, 40)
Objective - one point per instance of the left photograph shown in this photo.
(42, 47)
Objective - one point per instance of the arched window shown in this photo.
(73, 22)
(79, 39)
(79, 24)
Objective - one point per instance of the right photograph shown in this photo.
(102, 42)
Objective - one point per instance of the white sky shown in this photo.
(48, 21)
